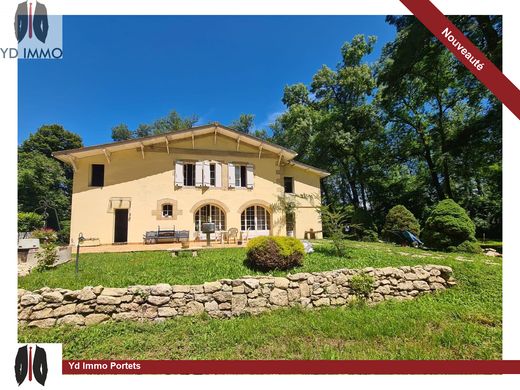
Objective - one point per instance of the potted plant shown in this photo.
(287, 205)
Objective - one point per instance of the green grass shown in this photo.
(490, 242)
(497, 245)
(464, 322)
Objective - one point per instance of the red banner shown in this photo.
(466, 52)
(116, 367)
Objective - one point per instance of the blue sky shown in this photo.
(135, 69)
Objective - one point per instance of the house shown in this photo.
(182, 179)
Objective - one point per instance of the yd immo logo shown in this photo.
(31, 363)
(38, 33)
(31, 21)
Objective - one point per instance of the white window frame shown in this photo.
(244, 225)
(171, 209)
(213, 213)
(185, 175)
(212, 180)
(235, 177)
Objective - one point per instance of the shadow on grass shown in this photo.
(331, 251)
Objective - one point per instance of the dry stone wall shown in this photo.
(224, 298)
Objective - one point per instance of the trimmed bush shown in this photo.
(269, 253)
(449, 228)
(399, 218)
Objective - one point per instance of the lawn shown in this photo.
(464, 322)
(494, 244)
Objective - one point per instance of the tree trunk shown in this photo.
(431, 166)
(445, 155)
(360, 175)
(491, 37)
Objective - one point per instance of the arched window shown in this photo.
(210, 213)
(255, 218)
(167, 210)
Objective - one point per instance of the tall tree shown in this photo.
(442, 117)
(143, 130)
(332, 124)
(245, 123)
(121, 132)
(172, 122)
(43, 178)
(50, 138)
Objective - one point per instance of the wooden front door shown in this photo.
(121, 226)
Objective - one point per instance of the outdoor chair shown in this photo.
(232, 234)
(244, 235)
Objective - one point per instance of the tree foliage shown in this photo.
(334, 220)
(121, 132)
(415, 127)
(171, 122)
(362, 225)
(50, 138)
(246, 124)
(41, 178)
(332, 124)
(442, 120)
(399, 218)
(27, 222)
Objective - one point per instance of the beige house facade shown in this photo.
(179, 180)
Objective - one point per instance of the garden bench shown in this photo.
(311, 234)
(175, 251)
(156, 236)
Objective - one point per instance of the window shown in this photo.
(240, 176)
(255, 218)
(212, 175)
(210, 213)
(288, 184)
(167, 210)
(98, 175)
(189, 174)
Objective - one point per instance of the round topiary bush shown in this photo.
(450, 228)
(269, 253)
(399, 218)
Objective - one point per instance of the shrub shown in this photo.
(449, 228)
(269, 253)
(362, 285)
(64, 233)
(27, 222)
(466, 246)
(334, 221)
(399, 218)
(362, 226)
(47, 256)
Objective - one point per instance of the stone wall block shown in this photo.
(47, 307)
